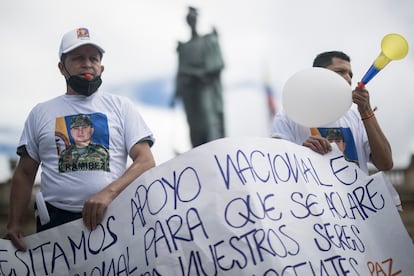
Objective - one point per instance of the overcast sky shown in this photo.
(274, 36)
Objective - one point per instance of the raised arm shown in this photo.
(381, 154)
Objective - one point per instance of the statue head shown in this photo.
(192, 16)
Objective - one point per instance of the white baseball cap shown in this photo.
(76, 38)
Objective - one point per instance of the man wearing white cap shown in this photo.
(85, 187)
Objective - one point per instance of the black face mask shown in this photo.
(83, 86)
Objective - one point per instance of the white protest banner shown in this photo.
(235, 206)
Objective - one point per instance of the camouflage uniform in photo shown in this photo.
(92, 157)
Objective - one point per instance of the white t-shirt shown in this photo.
(117, 126)
(349, 125)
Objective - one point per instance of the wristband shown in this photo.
(372, 115)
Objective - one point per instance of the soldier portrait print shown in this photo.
(344, 139)
(89, 143)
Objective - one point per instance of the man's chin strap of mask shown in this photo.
(82, 85)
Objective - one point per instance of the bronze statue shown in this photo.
(198, 83)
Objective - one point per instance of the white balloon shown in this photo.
(316, 96)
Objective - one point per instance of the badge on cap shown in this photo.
(83, 33)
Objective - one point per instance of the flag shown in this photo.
(270, 98)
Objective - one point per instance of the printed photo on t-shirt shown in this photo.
(82, 142)
(344, 140)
